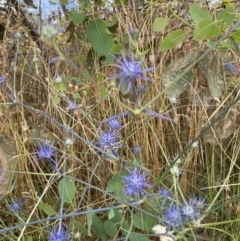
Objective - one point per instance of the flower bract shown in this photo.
(136, 182)
(16, 206)
(174, 216)
(129, 72)
(57, 235)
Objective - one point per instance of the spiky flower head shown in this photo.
(129, 72)
(108, 138)
(174, 216)
(198, 203)
(57, 235)
(16, 205)
(165, 193)
(136, 182)
(45, 151)
(189, 211)
(114, 124)
(72, 105)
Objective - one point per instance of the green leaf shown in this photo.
(76, 17)
(199, 13)
(117, 48)
(60, 86)
(111, 214)
(110, 228)
(80, 227)
(137, 237)
(89, 221)
(100, 39)
(144, 222)
(121, 222)
(206, 29)
(236, 36)
(159, 24)
(46, 208)
(69, 190)
(113, 21)
(117, 178)
(172, 40)
(225, 18)
(98, 228)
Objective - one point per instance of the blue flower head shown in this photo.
(16, 206)
(164, 193)
(129, 72)
(108, 138)
(189, 211)
(174, 216)
(46, 151)
(57, 235)
(198, 203)
(114, 124)
(136, 182)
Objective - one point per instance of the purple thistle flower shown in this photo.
(108, 138)
(16, 206)
(72, 105)
(198, 203)
(129, 72)
(136, 182)
(165, 193)
(46, 151)
(189, 211)
(57, 235)
(114, 124)
(174, 216)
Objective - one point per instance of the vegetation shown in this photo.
(121, 123)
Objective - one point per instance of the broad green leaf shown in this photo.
(100, 39)
(80, 227)
(60, 86)
(89, 221)
(144, 222)
(111, 214)
(117, 178)
(206, 29)
(172, 40)
(199, 13)
(159, 24)
(225, 18)
(98, 228)
(117, 49)
(76, 17)
(46, 208)
(113, 21)
(236, 36)
(137, 237)
(121, 222)
(110, 228)
(69, 190)
(28, 238)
